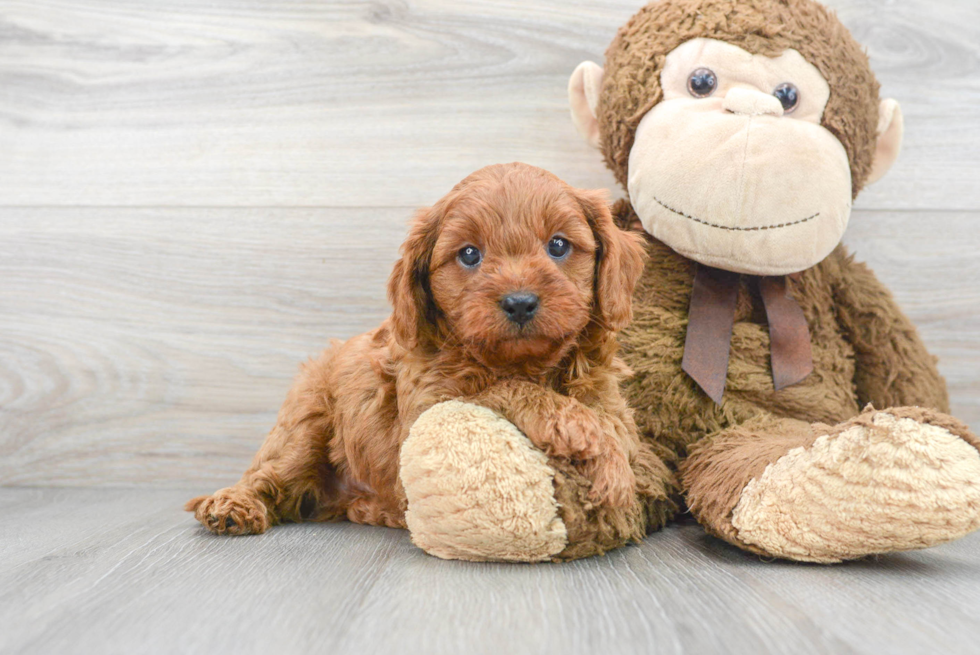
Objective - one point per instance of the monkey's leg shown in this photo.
(291, 478)
(898, 479)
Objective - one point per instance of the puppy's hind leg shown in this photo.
(291, 478)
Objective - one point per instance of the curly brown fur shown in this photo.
(634, 60)
(334, 451)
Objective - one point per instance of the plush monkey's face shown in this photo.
(733, 165)
(726, 173)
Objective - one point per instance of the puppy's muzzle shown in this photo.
(519, 307)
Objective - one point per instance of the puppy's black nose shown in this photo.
(520, 307)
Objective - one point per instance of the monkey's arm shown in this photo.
(894, 368)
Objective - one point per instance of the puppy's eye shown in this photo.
(702, 83)
(559, 247)
(469, 256)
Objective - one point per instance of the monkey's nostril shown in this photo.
(519, 307)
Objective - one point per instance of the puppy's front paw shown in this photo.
(231, 511)
(576, 432)
(613, 481)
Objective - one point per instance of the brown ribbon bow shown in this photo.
(709, 330)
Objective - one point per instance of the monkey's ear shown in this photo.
(583, 96)
(890, 129)
(413, 319)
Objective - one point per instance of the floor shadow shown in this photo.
(933, 562)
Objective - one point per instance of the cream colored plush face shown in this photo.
(731, 180)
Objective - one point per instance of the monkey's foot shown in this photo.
(233, 511)
(899, 479)
(478, 489)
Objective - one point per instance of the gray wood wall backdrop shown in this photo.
(195, 196)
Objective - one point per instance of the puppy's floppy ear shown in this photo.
(414, 315)
(619, 262)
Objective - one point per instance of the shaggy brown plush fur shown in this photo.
(865, 351)
(712, 489)
(594, 529)
(634, 60)
(334, 452)
(870, 488)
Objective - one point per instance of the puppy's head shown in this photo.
(512, 265)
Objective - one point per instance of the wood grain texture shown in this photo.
(194, 197)
(154, 346)
(387, 102)
(142, 345)
(112, 571)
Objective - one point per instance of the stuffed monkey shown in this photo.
(775, 374)
(782, 394)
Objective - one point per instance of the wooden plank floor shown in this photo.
(125, 571)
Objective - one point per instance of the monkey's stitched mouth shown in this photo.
(733, 229)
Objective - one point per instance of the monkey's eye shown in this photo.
(702, 83)
(788, 96)
(469, 256)
(559, 247)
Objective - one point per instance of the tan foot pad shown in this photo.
(900, 485)
(478, 489)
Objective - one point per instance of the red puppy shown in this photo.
(507, 294)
